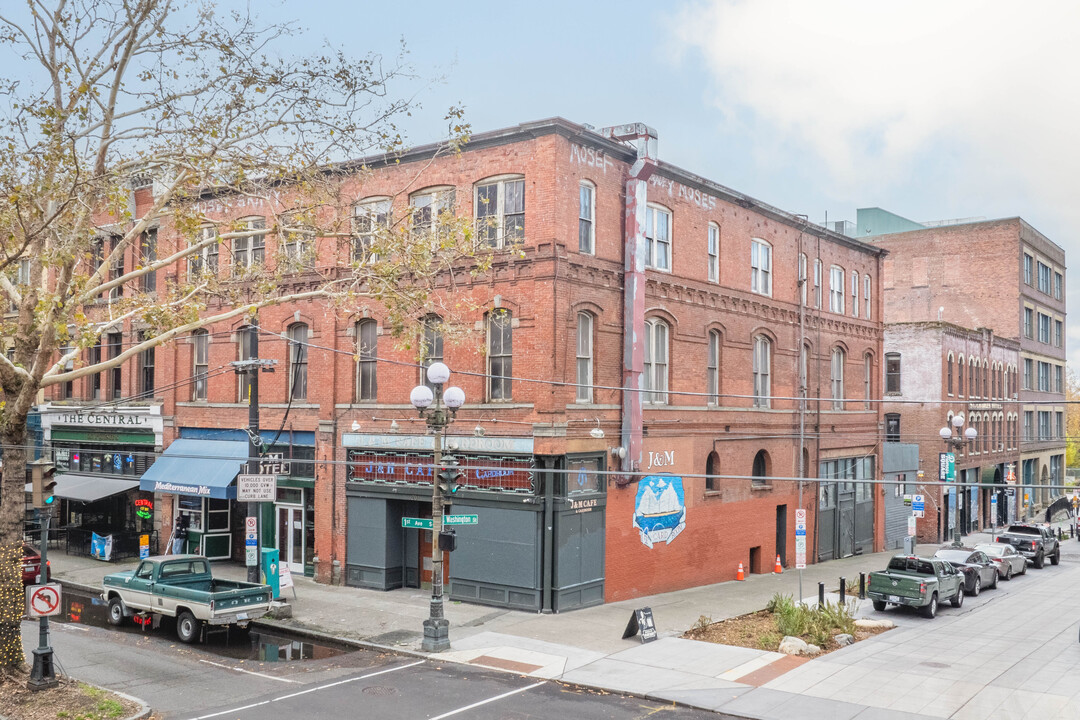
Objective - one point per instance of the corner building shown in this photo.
(650, 364)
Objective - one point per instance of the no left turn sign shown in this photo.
(43, 600)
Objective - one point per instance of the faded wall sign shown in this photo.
(660, 509)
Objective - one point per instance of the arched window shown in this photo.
(427, 206)
(584, 357)
(712, 368)
(371, 217)
(836, 374)
(804, 369)
(714, 252)
(960, 377)
(973, 378)
(868, 380)
(367, 353)
(249, 251)
(760, 470)
(985, 379)
(205, 260)
(500, 210)
(298, 355)
(712, 469)
(949, 375)
(762, 364)
(200, 363)
(500, 355)
(656, 361)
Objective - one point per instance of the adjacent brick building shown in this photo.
(634, 365)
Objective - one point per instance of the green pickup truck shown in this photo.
(181, 586)
(916, 582)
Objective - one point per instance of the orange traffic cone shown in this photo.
(739, 575)
(779, 568)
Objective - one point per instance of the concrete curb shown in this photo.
(141, 714)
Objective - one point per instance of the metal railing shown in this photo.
(124, 544)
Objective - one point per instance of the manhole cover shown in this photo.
(379, 690)
(935, 664)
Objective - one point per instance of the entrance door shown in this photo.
(290, 536)
(846, 501)
(781, 534)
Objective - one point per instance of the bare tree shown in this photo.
(195, 105)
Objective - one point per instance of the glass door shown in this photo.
(290, 536)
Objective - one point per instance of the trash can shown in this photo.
(270, 571)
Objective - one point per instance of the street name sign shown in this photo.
(256, 488)
(419, 523)
(460, 520)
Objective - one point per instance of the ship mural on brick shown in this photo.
(659, 510)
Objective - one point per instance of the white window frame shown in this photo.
(854, 294)
(803, 278)
(654, 240)
(201, 262)
(425, 208)
(298, 357)
(500, 387)
(760, 267)
(866, 296)
(712, 368)
(836, 376)
(657, 353)
(836, 289)
(367, 360)
(584, 366)
(868, 380)
(587, 218)
(495, 235)
(244, 257)
(200, 366)
(370, 217)
(297, 245)
(713, 248)
(762, 371)
(818, 282)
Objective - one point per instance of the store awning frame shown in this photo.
(203, 468)
(91, 488)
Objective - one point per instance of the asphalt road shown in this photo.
(185, 682)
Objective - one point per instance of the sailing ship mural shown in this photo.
(659, 510)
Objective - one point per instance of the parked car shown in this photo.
(979, 570)
(31, 565)
(1034, 541)
(1008, 561)
(916, 582)
(181, 586)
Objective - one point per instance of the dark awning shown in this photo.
(88, 488)
(205, 468)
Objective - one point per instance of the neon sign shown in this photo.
(144, 509)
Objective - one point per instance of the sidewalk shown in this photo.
(585, 646)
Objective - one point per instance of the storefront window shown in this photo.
(217, 514)
(584, 476)
(190, 508)
(290, 496)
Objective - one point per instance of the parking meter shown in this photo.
(271, 571)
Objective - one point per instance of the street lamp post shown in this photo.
(956, 444)
(437, 627)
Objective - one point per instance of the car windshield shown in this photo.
(959, 556)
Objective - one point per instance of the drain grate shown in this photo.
(380, 690)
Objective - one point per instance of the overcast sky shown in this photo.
(933, 110)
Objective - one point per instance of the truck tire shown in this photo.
(187, 627)
(930, 609)
(879, 605)
(958, 598)
(115, 614)
(1039, 560)
(1056, 557)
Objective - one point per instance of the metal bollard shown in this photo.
(862, 586)
(843, 586)
(821, 594)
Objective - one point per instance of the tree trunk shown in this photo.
(12, 508)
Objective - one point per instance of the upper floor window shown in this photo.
(1029, 366)
(868, 381)
(836, 289)
(1044, 376)
(22, 277)
(1029, 322)
(370, 218)
(656, 361)
(762, 366)
(892, 372)
(836, 375)
(500, 211)
(114, 345)
(148, 255)
(298, 361)
(960, 377)
(1059, 281)
(367, 354)
(1059, 379)
(714, 252)
(500, 354)
(116, 268)
(431, 346)
(205, 259)
(949, 375)
(1058, 327)
(658, 237)
(854, 294)
(712, 367)
(1028, 272)
(1045, 274)
(200, 363)
(1044, 328)
(866, 295)
(584, 357)
(147, 361)
(817, 282)
(67, 389)
(892, 427)
(297, 243)
(802, 278)
(250, 250)
(429, 209)
(760, 267)
(586, 218)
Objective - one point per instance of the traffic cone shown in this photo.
(739, 575)
(779, 568)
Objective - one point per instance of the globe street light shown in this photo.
(955, 443)
(437, 627)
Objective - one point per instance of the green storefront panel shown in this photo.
(104, 436)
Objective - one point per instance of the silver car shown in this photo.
(1008, 561)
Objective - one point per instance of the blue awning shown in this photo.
(205, 468)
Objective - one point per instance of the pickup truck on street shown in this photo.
(181, 586)
(1035, 542)
(916, 582)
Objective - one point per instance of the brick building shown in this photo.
(998, 274)
(633, 365)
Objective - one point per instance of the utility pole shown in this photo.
(254, 447)
(43, 672)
